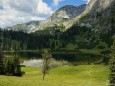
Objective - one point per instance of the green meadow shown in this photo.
(81, 75)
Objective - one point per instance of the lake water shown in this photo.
(75, 58)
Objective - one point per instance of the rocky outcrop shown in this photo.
(100, 15)
(67, 12)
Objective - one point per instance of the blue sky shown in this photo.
(13, 12)
(1, 7)
(65, 2)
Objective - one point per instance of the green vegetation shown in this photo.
(9, 65)
(79, 44)
(75, 38)
(70, 47)
(82, 75)
(112, 65)
(46, 55)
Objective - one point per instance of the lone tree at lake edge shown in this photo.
(46, 55)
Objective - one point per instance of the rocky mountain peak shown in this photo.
(67, 12)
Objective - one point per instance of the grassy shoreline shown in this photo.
(82, 75)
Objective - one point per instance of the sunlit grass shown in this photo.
(83, 75)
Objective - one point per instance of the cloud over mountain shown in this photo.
(13, 12)
(87, 1)
(19, 11)
(56, 2)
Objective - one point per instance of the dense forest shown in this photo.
(76, 36)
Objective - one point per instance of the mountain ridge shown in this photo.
(64, 13)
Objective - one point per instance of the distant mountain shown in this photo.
(67, 12)
(57, 18)
(25, 27)
(97, 15)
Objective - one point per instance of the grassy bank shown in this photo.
(83, 75)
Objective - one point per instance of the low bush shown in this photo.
(56, 63)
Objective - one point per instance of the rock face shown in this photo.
(100, 15)
(61, 15)
(67, 12)
(98, 5)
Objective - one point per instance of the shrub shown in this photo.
(56, 63)
(101, 47)
(12, 67)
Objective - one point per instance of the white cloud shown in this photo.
(19, 11)
(56, 2)
(87, 1)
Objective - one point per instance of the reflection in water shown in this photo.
(78, 58)
(39, 63)
(33, 63)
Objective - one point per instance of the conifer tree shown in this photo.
(1, 62)
(12, 66)
(17, 67)
(1, 55)
(112, 65)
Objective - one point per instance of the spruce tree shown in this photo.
(9, 67)
(1, 62)
(1, 55)
(12, 66)
(112, 65)
(17, 67)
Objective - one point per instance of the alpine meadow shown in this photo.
(57, 42)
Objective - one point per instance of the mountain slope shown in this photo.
(56, 20)
(100, 15)
(25, 27)
(99, 18)
(65, 13)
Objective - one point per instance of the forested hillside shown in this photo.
(76, 37)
